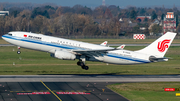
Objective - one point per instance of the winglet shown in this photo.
(104, 43)
(121, 47)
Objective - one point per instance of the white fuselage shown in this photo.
(52, 44)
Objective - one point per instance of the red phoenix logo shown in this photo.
(162, 45)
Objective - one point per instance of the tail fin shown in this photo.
(159, 47)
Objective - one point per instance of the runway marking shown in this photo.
(48, 91)
(33, 93)
(177, 94)
(72, 93)
(51, 91)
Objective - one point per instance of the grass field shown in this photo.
(112, 41)
(153, 91)
(36, 62)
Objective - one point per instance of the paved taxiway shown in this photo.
(57, 91)
(69, 87)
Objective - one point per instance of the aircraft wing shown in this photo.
(95, 50)
(90, 53)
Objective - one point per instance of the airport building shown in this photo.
(142, 18)
(3, 13)
(169, 23)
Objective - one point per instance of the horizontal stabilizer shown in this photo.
(154, 59)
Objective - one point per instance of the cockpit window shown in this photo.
(9, 34)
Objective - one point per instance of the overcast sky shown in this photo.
(121, 3)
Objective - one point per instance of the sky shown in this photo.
(89, 3)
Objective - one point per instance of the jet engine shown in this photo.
(64, 55)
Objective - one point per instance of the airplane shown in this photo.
(66, 49)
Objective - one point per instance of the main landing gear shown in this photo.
(83, 66)
(18, 52)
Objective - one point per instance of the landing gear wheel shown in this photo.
(82, 64)
(86, 68)
(82, 67)
(18, 52)
(79, 63)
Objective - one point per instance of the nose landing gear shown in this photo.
(18, 52)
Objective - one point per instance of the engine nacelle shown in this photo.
(64, 55)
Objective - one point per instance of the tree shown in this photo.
(178, 28)
(142, 11)
(91, 29)
(49, 7)
(177, 20)
(156, 29)
(34, 12)
(1, 7)
(162, 16)
(46, 14)
(37, 24)
(136, 29)
(108, 14)
(15, 13)
(145, 19)
(112, 27)
(64, 10)
(39, 11)
(84, 10)
(115, 10)
(133, 14)
(98, 13)
(2, 23)
(154, 15)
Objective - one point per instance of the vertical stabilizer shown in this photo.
(160, 46)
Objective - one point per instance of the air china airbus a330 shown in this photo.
(66, 49)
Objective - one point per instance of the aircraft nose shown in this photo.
(2, 37)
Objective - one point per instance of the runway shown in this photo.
(69, 87)
(89, 78)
